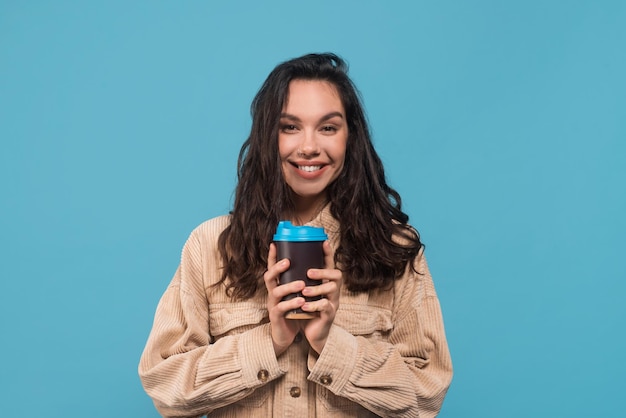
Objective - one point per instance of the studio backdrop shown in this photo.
(501, 124)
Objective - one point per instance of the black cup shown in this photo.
(303, 246)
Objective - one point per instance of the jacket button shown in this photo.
(298, 337)
(326, 380)
(295, 392)
(263, 375)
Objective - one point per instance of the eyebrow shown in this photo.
(322, 119)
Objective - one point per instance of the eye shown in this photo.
(288, 128)
(329, 129)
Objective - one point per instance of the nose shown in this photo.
(309, 146)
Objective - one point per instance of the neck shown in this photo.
(306, 209)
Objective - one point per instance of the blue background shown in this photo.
(502, 124)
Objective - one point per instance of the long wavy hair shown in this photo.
(376, 243)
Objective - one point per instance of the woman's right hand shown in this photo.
(284, 331)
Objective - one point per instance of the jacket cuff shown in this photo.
(334, 365)
(258, 360)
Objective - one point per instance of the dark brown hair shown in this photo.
(376, 242)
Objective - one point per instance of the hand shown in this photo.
(316, 330)
(283, 330)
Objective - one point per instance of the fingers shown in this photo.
(323, 305)
(329, 272)
(283, 331)
(329, 293)
(329, 259)
(326, 288)
(271, 257)
(270, 277)
(330, 278)
(276, 293)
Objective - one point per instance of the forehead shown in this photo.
(313, 94)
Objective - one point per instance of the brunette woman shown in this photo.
(221, 344)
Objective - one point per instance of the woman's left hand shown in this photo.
(316, 330)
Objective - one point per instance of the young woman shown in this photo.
(221, 344)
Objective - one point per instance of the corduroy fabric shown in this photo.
(386, 354)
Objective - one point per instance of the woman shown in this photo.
(221, 344)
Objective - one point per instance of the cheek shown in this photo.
(285, 148)
(340, 163)
(281, 148)
(340, 152)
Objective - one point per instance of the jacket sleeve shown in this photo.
(182, 369)
(407, 375)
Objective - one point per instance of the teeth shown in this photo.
(309, 168)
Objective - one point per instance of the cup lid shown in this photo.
(286, 231)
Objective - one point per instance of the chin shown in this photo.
(309, 194)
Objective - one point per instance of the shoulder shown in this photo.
(416, 283)
(213, 226)
(207, 233)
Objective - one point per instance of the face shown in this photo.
(312, 140)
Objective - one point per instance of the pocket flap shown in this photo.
(363, 319)
(225, 317)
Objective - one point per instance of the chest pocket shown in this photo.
(235, 318)
(364, 319)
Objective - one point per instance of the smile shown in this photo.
(309, 168)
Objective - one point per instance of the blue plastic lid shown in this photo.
(286, 231)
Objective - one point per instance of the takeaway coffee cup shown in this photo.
(302, 245)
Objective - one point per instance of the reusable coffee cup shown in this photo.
(302, 245)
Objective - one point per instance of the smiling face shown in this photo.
(312, 142)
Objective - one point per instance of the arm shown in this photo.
(181, 368)
(408, 374)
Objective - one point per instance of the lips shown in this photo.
(309, 166)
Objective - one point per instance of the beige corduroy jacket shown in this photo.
(386, 354)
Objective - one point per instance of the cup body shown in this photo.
(303, 246)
